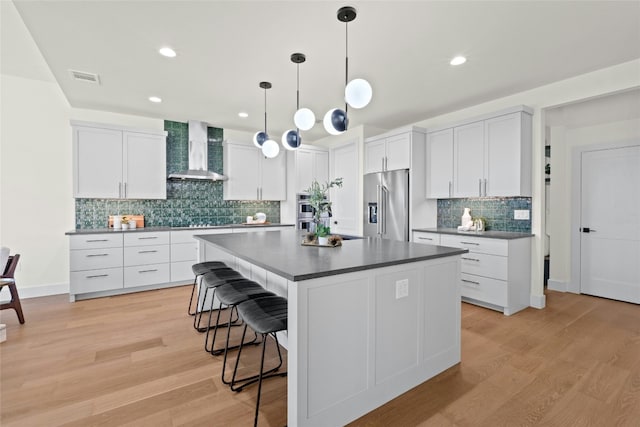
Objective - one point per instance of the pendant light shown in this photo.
(303, 118)
(357, 93)
(261, 139)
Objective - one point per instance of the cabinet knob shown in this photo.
(335, 222)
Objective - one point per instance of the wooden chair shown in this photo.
(8, 279)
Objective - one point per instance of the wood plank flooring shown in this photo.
(135, 360)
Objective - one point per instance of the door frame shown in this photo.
(574, 284)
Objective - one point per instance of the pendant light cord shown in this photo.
(265, 111)
(346, 62)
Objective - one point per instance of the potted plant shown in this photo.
(320, 204)
(323, 232)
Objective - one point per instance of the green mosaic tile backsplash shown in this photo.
(188, 202)
(498, 212)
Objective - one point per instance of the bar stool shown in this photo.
(265, 316)
(210, 281)
(231, 295)
(198, 270)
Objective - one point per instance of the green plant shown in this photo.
(323, 230)
(319, 202)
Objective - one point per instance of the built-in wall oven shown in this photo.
(305, 213)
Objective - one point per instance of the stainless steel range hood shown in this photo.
(198, 156)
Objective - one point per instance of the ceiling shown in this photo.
(225, 48)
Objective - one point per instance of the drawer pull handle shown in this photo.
(97, 240)
(471, 259)
(470, 281)
(146, 252)
(148, 271)
(425, 238)
(97, 275)
(147, 238)
(470, 243)
(92, 255)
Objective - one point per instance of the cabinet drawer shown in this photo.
(143, 275)
(92, 241)
(95, 280)
(146, 238)
(477, 244)
(426, 238)
(181, 271)
(493, 266)
(91, 259)
(142, 255)
(184, 252)
(484, 289)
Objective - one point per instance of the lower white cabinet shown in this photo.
(496, 273)
(95, 263)
(146, 258)
(426, 238)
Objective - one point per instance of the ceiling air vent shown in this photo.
(85, 77)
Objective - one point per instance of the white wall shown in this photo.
(37, 205)
(613, 79)
(564, 140)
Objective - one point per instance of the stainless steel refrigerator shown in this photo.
(386, 205)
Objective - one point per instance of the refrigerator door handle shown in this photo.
(379, 207)
(384, 194)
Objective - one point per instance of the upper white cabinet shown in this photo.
(115, 163)
(252, 176)
(483, 158)
(440, 164)
(309, 164)
(386, 153)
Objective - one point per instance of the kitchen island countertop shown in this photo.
(286, 256)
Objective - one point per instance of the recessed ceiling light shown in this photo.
(155, 99)
(168, 52)
(458, 60)
(243, 114)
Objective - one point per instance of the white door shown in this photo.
(610, 223)
(344, 201)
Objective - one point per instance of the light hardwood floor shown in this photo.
(135, 360)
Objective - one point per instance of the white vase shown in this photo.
(323, 240)
(466, 218)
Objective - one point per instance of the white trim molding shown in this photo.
(557, 285)
(43, 290)
(538, 301)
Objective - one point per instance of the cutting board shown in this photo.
(139, 220)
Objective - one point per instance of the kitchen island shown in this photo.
(368, 320)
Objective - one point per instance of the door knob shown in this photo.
(587, 230)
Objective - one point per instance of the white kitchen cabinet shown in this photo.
(496, 273)
(468, 156)
(386, 153)
(426, 238)
(439, 164)
(95, 263)
(110, 162)
(309, 164)
(490, 157)
(146, 258)
(252, 176)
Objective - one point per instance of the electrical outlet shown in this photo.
(402, 288)
(521, 214)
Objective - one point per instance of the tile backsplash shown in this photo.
(188, 202)
(498, 212)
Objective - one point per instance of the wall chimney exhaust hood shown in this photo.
(198, 156)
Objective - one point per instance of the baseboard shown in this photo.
(538, 301)
(557, 285)
(43, 290)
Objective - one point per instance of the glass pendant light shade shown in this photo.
(259, 138)
(291, 139)
(358, 93)
(335, 121)
(270, 148)
(304, 119)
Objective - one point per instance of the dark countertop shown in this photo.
(281, 252)
(111, 230)
(506, 235)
